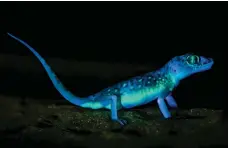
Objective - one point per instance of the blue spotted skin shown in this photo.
(137, 91)
(140, 90)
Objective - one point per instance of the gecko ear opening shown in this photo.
(173, 69)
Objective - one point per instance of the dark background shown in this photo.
(146, 33)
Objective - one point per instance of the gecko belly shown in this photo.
(138, 98)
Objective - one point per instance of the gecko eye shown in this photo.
(193, 59)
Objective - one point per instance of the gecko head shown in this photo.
(188, 64)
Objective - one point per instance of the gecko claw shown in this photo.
(122, 122)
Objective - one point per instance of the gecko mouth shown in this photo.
(206, 63)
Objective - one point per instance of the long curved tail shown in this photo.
(56, 82)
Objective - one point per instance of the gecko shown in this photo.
(139, 90)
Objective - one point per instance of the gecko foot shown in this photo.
(122, 122)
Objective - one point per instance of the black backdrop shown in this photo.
(132, 32)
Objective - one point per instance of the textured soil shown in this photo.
(39, 123)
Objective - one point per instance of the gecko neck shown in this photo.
(167, 71)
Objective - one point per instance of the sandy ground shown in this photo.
(38, 123)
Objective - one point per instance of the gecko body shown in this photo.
(139, 90)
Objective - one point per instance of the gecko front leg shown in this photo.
(171, 101)
(163, 108)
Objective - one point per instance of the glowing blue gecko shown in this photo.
(140, 90)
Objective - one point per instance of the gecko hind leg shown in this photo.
(163, 108)
(114, 111)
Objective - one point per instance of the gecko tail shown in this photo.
(56, 82)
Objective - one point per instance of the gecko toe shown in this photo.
(122, 122)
